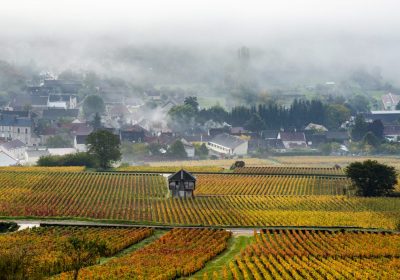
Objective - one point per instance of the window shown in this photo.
(18, 130)
(26, 131)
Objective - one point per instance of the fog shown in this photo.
(290, 42)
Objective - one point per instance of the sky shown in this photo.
(205, 17)
(312, 33)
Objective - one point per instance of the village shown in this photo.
(53, 118)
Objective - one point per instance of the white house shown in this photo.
(227, 144)
(293, 140)
(15, 148)
(62, 101)
(7, 160)
(61, 151)
(80, 143)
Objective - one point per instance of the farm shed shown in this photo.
(182, 184)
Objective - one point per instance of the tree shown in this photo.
(336, 114)
(82, 252)
(371, 178)
(201, 150)
(376, 127)
(192, 102)
(105, 146)
(93, 104)
(360, 128)
(371, 139)
(255, 123)
(96, 123)
(77, 159)
(181, 118)
(177, 150)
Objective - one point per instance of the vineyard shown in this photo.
(171, 169)
(270, 185)
(43, 246)
(290, 170)
(304, 254)
(42, 169)
(180, 252)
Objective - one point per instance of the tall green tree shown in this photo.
(336, 114)
(376, 127)
(177, 150)
(192, 102)
(96, 123)
(360, 128)
(372, 178)
(105, 146)
(255, 123)
(93, 104)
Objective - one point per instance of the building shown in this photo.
(392, 132)
(13, 127)
(293, 140)
(80, 143)
(7, 160)
(386, 117)
(61, 101)
(54, 114)
(133, 133)
(189, 148)
(15, 148)
(227, 144)
(315, 127)
(390, 101)
(182, 184)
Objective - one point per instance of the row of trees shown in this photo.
(184, 117)
(103, 151)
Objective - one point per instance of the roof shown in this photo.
(238, 130)
(81, 139)
(338, 135)
(133, 128)
(10, 120)
(6, 159)
(390, 99)
(314, 126)
(38, 100)
(391, 129)
(292, 136)
(182, 175)
(269, 134)
(13, 144)
(227, 140)
(60, 98)
(60, 113)
(22, 114)
(385, 112)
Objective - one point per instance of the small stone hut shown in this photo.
(182, 184)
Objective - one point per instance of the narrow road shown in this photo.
(248, 231)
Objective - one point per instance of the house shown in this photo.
(269, 134)
(54, 114)
(392, 132)
(227, 144)
(7, 160)
(387, 117)
(182, 184)
(61, 101)
(238, 130)
(189, 148)
(15, 148)
(293, 140)
(133, 133)
(14, 127)
(390, 101)
(80, 143)
(337, 136)
(153, 94)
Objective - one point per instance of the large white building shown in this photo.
(227, 144)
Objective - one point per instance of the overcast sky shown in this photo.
(205, 17)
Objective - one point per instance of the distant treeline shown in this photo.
(274, 116)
